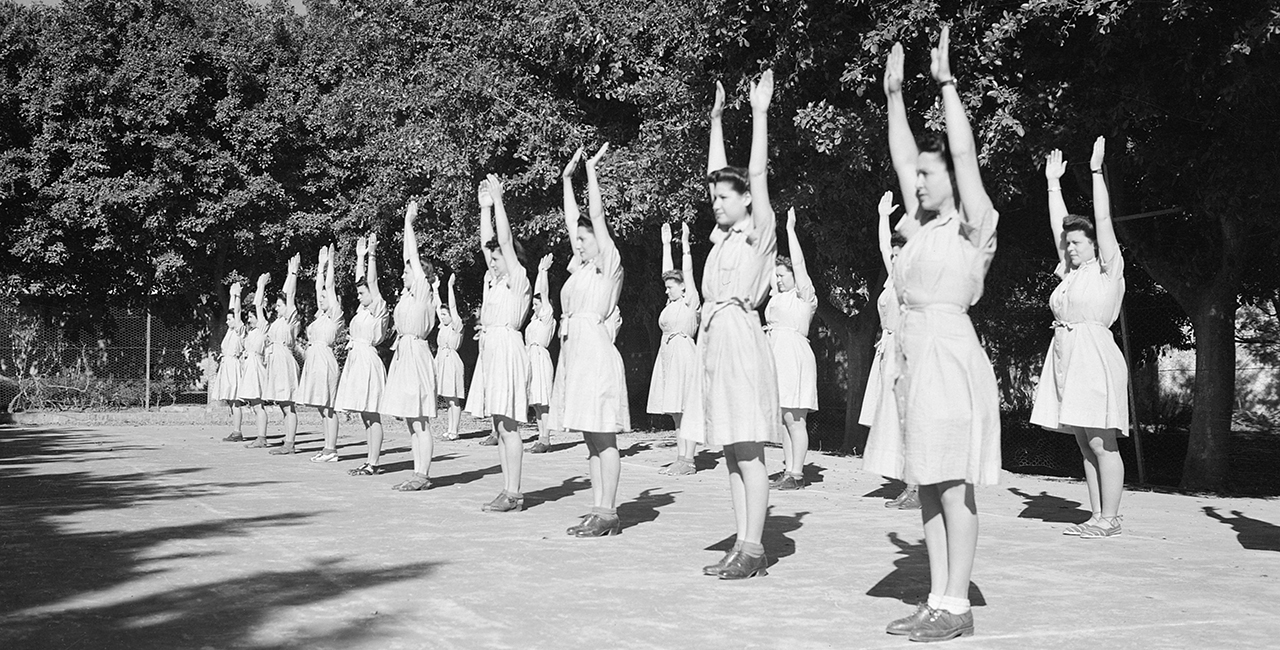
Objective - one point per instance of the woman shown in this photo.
(675, 371)
(883, 454)
(594, 400)
(411, 380)
(253, 367)
(225, 384)
(363, 375)
(946, 390)
(788, 317)
(1083, 388)
(499, 386)
(282, 367)
(318, 385)
(739, 382)
(537, 336)
(450, 379)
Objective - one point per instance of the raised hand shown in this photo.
(791, 219)
(294, 263)
(263, 280)
(1054, 165)
(591, 162)
(452, 277)
(572, 167)
(545, 263)
(372, 242)
(684, 236)
(361, 247)
(411, 212)
(664, 234)
(323, 256)
(893, 71)
(495, 189)
(1099, 152)
(887, 206)
(484, 196)
(717, 109)
(235, 289)
(940, 63)
(762, 93)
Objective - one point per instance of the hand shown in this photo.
(263, 280)
(762, 93)
(1099, 152)
(372, 242)
(435, 282)
(411, 212)
(235, 289)
(717, 109)
(887, 206)
(684, 236)
(495, 189)
(591, 162)
(940, 65)
(361, 247)
(893, 71)
(572, 167)
(545, 263)
(1054, 165)
(323, 256)
(664, 233)
(791, 220)
(294, 263)
(452, 277)
(483, 194)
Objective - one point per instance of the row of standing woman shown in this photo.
(727, 380)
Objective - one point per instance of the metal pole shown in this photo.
(146, 400)
(1133, 411)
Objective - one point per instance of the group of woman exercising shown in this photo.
(726, 378)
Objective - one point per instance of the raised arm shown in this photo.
(371, 277)
(686, 268)
(804, 284)
(410, 248)
(485, 198)
(322, 261)
(664, 234)
(716, 158)
(454, 316)
(542, 285)
(1108, 247)
(1054, 166)
(260, 299)
(291, 284)
(571, 212)
(964, 153)
(502, 227)
(902, 144)
(234, 301)
(884, 232)
(758, 168)
(595, 207)
(330, 286)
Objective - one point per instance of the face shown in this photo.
(786, 279)
(497, 262)
(231, 320)
(675, 289)
(363, 295)
(1079, 248)
(537, 303)
(730, 205)
(893, 254)
(406, 276)
(584, 242)
(253, 319)
(322, 301)
(280, 305)
(443, 315)
(933, 182)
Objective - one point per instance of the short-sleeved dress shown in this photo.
(675, 371)
(318, 385)
(225, 384)
(739, 382)
(282, 366)
(253, 365)
(594, 398)
(499, 386)
(450, 374)
(883, 454)
(537, 336)
(788, 317)
(363, 375)
(411, 380)
(948, 401)
(1085, 379)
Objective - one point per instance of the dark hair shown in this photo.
(783, 260)
(937, 143)
(585, 222)
(429, 270)
(538, 295)
(897, 240)
(1079, 222)
(492, 245)
(738, 177)
(673, 274)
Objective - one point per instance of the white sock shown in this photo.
(935, 601)
(954, 605)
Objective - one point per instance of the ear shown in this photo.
(746, 197)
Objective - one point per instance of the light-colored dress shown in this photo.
(253, 365)
(594, 398)
(1085, 379)
(225, 384)
(675, 371)
(500, 384)
(318, 385)
(537, 336)
(948, 401)
(282, 366)
(883, 454)
(411, 380)
(739, 383)
(451, 379)
(363, 375)
(788, 317)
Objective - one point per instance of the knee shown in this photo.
(1102, 445)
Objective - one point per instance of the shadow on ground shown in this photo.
(909, 580)
(776, 543)
(1051, 509)
(1252, 534)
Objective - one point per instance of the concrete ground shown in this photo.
(161, 536)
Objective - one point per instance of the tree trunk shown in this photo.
(859, 336)
(1214, 324)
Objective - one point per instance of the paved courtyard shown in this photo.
(161, 536)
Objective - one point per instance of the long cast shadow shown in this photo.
(891, 488)
(1052, 509)
(644, 508)
(566, 488)
(1252, 534)
(462, 478)
(776, 543)
(909, 580)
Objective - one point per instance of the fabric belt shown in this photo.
(1073, 324)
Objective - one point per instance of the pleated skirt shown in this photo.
(411, 381)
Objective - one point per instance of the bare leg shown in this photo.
(960, 512)
(1090, 473)
(290, 414)
(260, 413)
(502, 454)
(512, 450)
(330, 428)
(606, 468)
(544, 434)
(935, 537)
(373, 429)
(421, 443)
(455, 417)
(1110, 470)
(593, 468)
(797, 439)
(749, 482)
(237, 415)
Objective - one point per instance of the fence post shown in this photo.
(146, 400)
(1133, 405)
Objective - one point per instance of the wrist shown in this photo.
(949, 81)
(1095, 171)
(1054, 184)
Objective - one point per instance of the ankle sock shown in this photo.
(753, 549)
(935, 601)
(737, 546)
(604, 513)
(956, 606)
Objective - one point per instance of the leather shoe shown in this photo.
(903, 626)
(742, 566)
(942, 625)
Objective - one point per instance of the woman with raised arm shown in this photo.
(739, 381)
(225, 384)
(537, 336)
(788, 317)
(499, 386)
(675, 371)
(282, 367)
(411, 380)
(318, 385)
(253, 367)
(594, 400)
(1083, 388)
(883, 454)
(946, 390)
(363, 375)
(450, 377)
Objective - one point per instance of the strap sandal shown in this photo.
(284, 450)
(235, 436)
(260, 443)
(1106, 527)
(491, 441)
(418, 482)
(539, 447)
(325, 456)
(365, 470)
